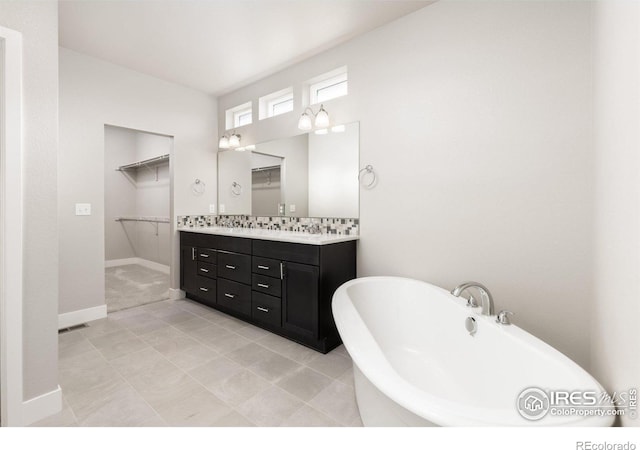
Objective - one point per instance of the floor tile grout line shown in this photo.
(126, 381)
(224, 354)
(273, 384)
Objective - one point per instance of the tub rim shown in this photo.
(371, 361)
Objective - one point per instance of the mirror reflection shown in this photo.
(309, 175)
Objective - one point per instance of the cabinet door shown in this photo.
(300, 298)
(188, 269)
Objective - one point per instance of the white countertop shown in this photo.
(274, 235)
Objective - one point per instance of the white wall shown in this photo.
(333, 173)
(476, 117)
(38, 23)
(94, 93)
(615, 334)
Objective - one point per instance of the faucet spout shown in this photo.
(485, 295)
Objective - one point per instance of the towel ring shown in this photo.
(368, 170)
(236, 188)
(198, 187)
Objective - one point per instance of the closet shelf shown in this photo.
(143, 219)
(145, 163)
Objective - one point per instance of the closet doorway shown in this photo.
(137, 217)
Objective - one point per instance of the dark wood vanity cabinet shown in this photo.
(283, 287)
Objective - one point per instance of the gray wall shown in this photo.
(477, 119)
(136, 193)
(120, 194)
(294, 174)
(615, 335)
(94, 93)
(38, 23)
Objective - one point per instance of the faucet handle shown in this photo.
(472, 302)
(503, 317)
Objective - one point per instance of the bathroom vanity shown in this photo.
(280, 281)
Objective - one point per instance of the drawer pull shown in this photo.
(204, 289)
(266, 286)
(229, 295)
(263, 267)
(230, 267)
(204, 255)
(193, 253)
(260, 308)
(204, 270)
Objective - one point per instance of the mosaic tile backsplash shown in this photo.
(302, 224)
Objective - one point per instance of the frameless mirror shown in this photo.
(309, 175)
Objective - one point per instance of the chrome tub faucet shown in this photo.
(485, 296)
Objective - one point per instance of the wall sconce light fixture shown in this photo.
(321, 119)
(229, 141)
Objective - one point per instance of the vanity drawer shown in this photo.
(265, 266)
(234, 296)
(287, 251)
(206, 255)
(266, 309)
(234, 244)
(234, 266)
(266, 285)
(206, 290)
(206, 270)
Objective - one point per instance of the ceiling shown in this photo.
(217, 46)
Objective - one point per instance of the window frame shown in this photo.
(267, 103)
(331, 79)
(233, 115)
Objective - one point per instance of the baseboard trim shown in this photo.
(81, 316)
(176, 294)
(141, 261)
(42, 406)
(120, 262)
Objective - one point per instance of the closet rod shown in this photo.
(260, 169)
(143, 219)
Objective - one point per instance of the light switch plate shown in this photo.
(222, 208)
(212, 208)
(292, 208)
(83, 209)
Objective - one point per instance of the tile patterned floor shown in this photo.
(178, 363)
(134, 285)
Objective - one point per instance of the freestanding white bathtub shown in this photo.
(415, 364)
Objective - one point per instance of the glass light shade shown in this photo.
(234, 140)
(224, 142)
(322, 118)
(304, 123)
